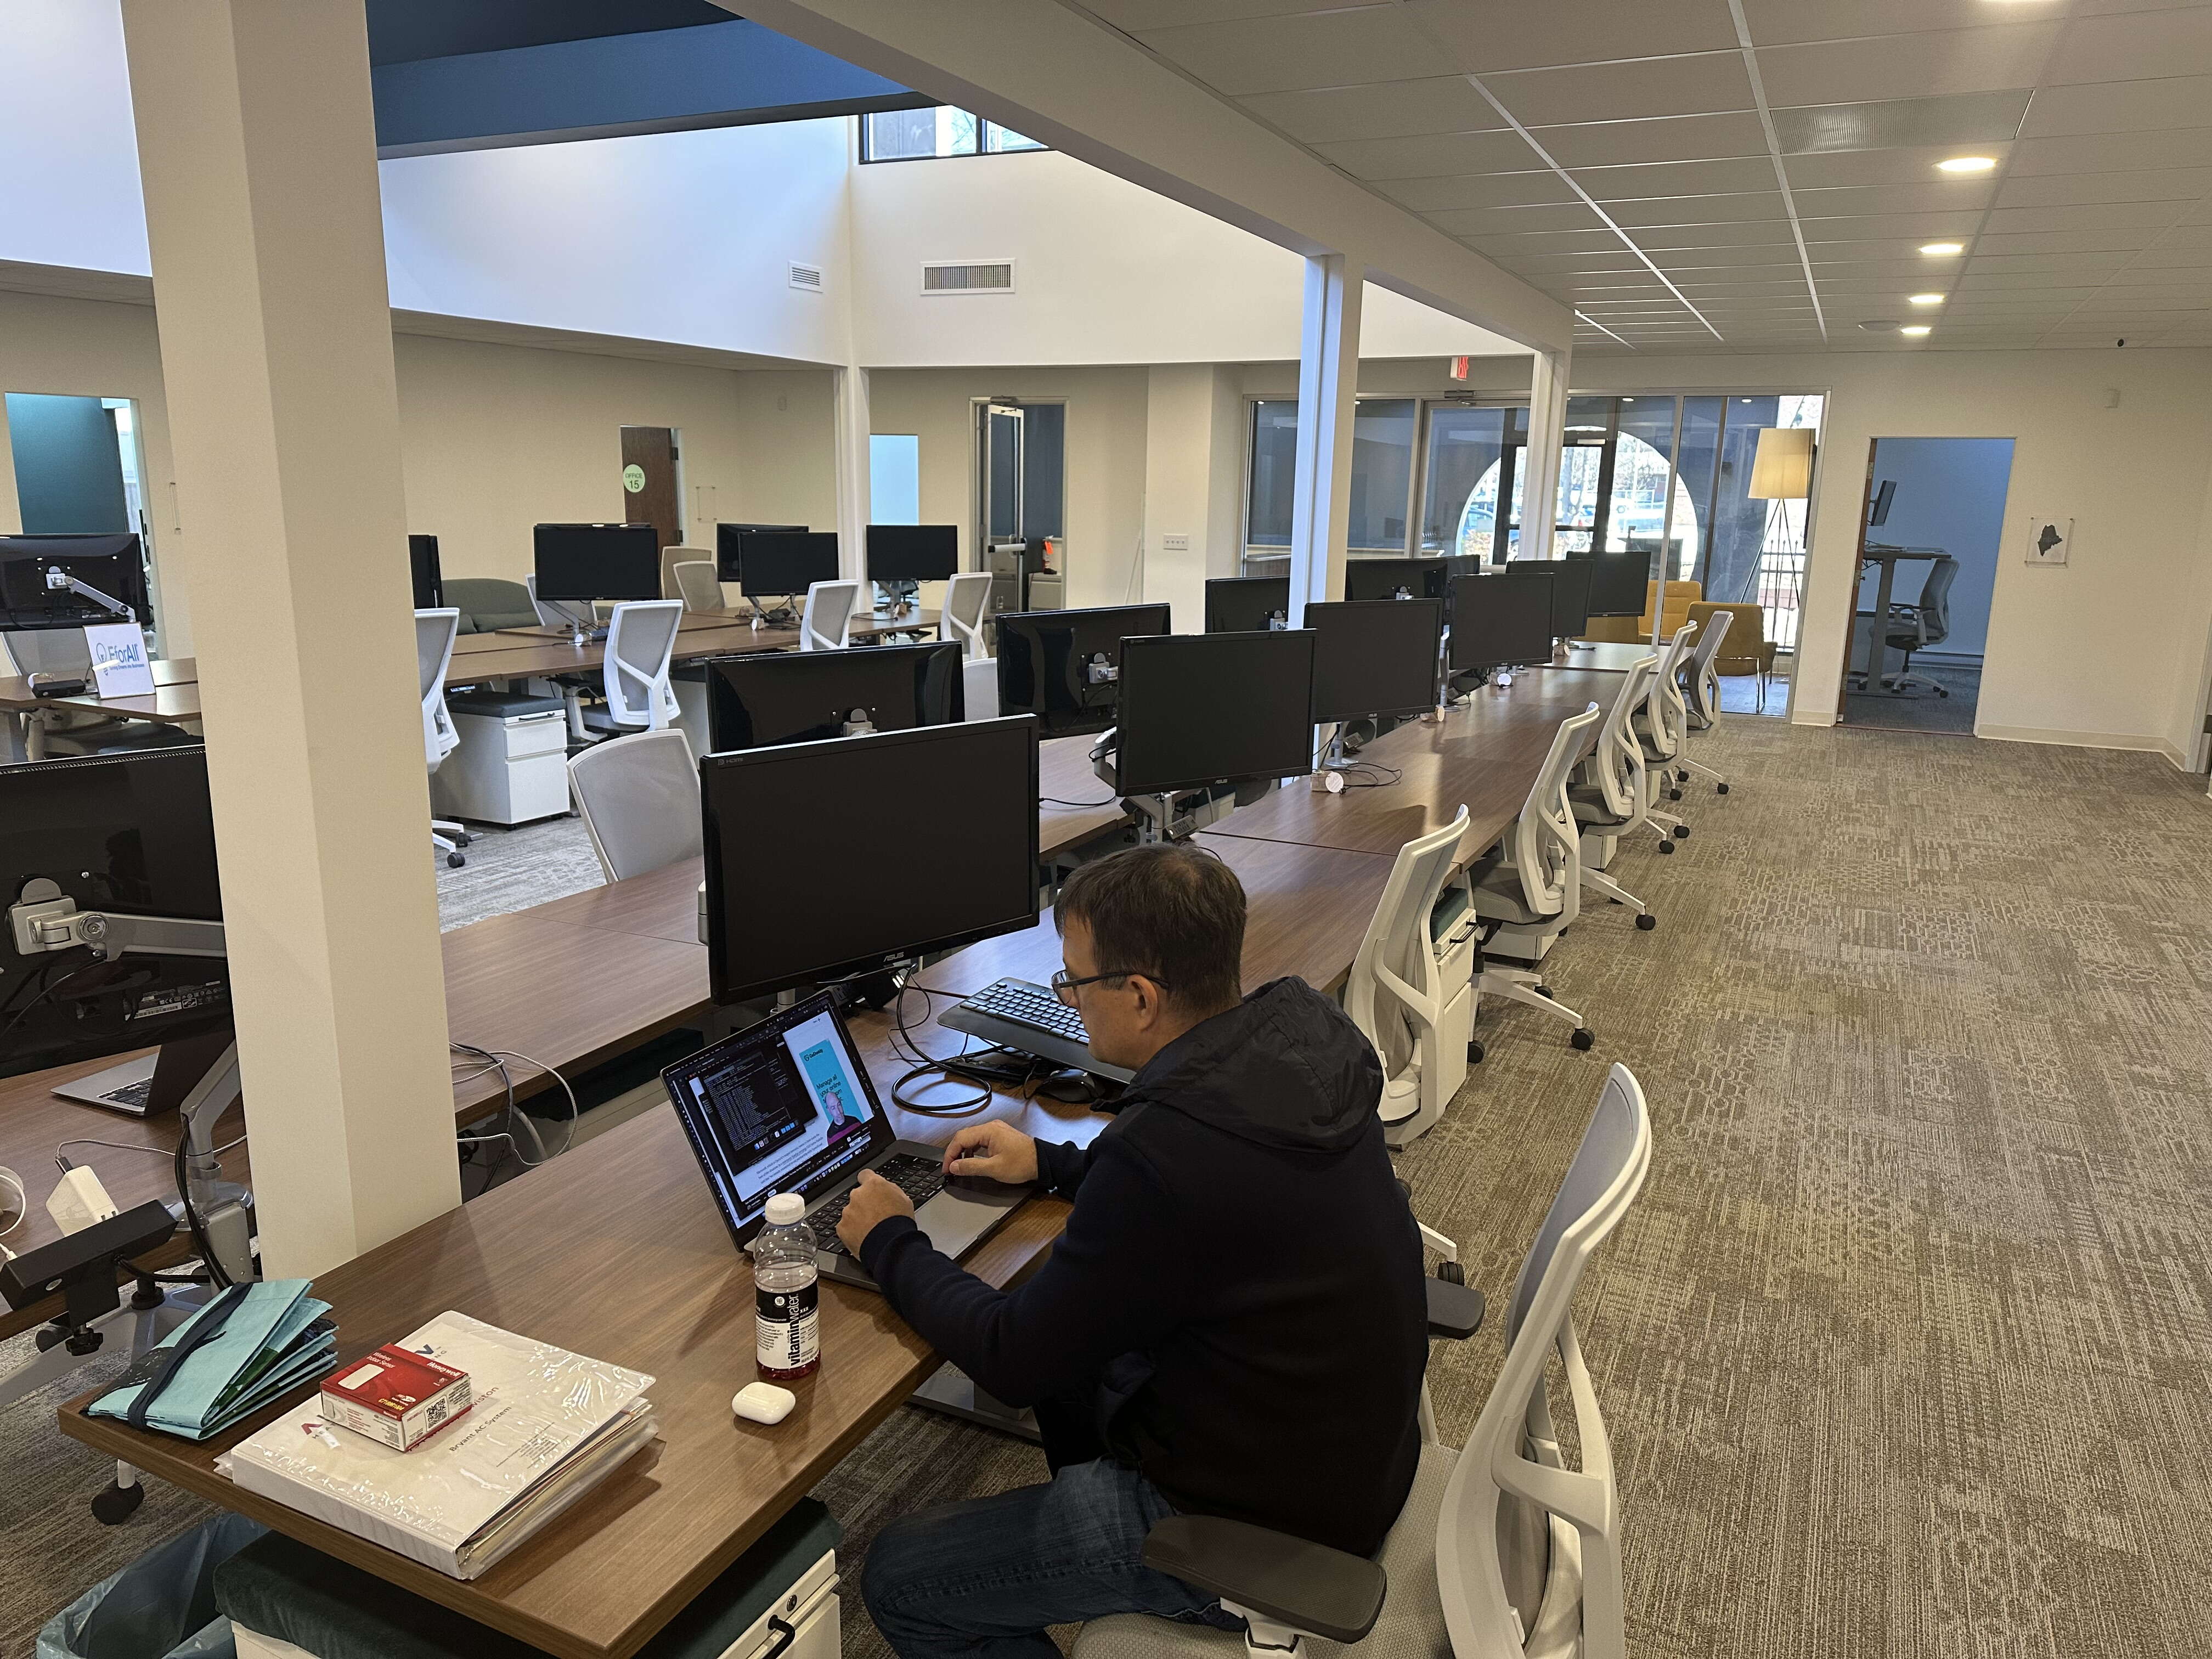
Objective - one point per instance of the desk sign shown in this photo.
(119, 666)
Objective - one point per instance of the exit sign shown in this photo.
(1459, 368)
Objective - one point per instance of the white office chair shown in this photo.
(1701, 687)
(641, 641)
(1529, 888)
(1501, 1551)
(1611, 789)
(696, 586)
(434, 631)
(1662, 726)
(672, 555)
(1411, 989)
(826, 624)
(638, 799)
(967, 603)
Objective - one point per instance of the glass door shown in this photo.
(999, 450)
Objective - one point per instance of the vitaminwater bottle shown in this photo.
(787, 1299)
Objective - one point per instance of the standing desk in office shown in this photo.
(1877, 652)
(175, 702)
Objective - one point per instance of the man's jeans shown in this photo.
(987, 1576)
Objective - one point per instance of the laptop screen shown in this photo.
(784, 1106)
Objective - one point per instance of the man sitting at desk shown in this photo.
(1234, 1323)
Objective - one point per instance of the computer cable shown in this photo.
(126, 1146)
(216, 1277)
(929, 1064)
(1053, 800)
(495, 1060)
(46, 990)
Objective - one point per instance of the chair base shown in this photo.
(1519, 985)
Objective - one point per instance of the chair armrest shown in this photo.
(1455, 1310)
(1308, 1587)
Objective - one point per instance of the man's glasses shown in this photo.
(1064, 986)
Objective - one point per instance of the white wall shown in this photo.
(1194, 481)
(1950, 493)
(69, 155)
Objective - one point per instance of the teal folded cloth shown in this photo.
(250, 1345)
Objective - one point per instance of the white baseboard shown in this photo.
(2085, 740)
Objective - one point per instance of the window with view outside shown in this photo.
(1381, 472)
(910, 135)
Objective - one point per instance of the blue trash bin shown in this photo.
(160, 1606)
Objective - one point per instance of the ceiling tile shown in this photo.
(1386, 109)
(1631, 184)
(1973, 195)
(2042, 264)
(2137, 45)
(1827, 269)
(1676, 138)
(1906, 165)
(1696, 85)
(1777, 22)
(1431, 157)
(1337, 48)
(1976, 117)
(2172, 185)
(2064, 241)
(2168, 252)
(1869, 227)
(1596, 267)
(1508, 35)
(1885, 251)
(1483, 223)
(2120, 107)
(1580, 244)
(2091, 217)
(2189, 146)
(1931, 64)
(1134, 15)
(1774, 287)
(2010, 280)
(1770, 234)
(2187, 236)
(1474, 189)
(1744, 207)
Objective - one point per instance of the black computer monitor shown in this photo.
(110, 564)
(913, 552)
(772, 698)
(1617, 582)
(422, 564)
(728, 538)
(1395, 579)
(1061, 665)
(1203, 709)
(1503, 621)
(577, 563)
(128, 834)
(1247, 605)
(1883, 496)
(1571, 592)
(782, 564)
(1375, 657)
(789, 829)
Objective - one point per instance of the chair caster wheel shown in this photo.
(464, 839)
(1681, 832)
(1674, 794)
(1543, 991)
(1647, 921)
(1720, 789)
(1583, 1038)
(1666, 846)
(1940, 692)
(1681, 777)
(1451, 1273)
(454, 860)
(117, 1504)
(1474, 1053)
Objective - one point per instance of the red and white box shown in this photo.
(395, 1397)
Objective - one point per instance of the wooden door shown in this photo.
(651, 492)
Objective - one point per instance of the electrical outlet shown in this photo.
(1175, 544)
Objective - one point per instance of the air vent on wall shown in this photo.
(806, 278)
(982, 276)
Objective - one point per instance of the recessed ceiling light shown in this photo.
(1923, 299)
(1942, 247)
(1967, 164)
(1914, 328)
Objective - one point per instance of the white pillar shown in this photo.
(853, 503)
(258, 150)
(1548, 424)
(1329, 376)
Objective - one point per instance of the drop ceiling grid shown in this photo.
(1690, 174)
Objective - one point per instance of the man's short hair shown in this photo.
(1171, 912)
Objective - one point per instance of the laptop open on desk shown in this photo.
(786, 1105)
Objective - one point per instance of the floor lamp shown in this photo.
(1782, 470)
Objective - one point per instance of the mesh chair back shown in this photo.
(1935, 600)
(826, 624)
(1700, 681)
(670, 556)
(1394, 989)
(967, 598)
(640, 640)
(1620, 756)
(639, 797)
(696, 585)
(433, 658)
(1546, 840)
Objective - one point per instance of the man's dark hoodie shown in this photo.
(1240, 1278)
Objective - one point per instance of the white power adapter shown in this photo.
(78, 1199)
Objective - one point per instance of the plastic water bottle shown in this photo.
(786, 1300)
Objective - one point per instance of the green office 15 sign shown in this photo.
(634, 478)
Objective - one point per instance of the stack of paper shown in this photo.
(547, 1427)
(250, 1344)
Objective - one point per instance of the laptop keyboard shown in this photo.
(920, 1178)
(1025, 1004)
(133, 1096)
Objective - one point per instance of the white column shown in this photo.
(1547, 422)
(258, 150)
(1329, 376)
(853, 504)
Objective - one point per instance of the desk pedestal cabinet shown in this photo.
(512, 766)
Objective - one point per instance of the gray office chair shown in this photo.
(638, 799)
(826, 623)
(1701, 687)
(634, 677)
(488, 603)
(1501, 1551)
(1609, 801)
(671, 587)
(966, 605)
(1925, 622)
(696, 585)
(434, 657)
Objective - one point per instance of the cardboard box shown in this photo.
(397, 1398)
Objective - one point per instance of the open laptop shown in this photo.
(786, 1106)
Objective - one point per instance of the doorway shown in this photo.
(652, 482)
(1929, 532)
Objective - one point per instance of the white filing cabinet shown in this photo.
(513, 763)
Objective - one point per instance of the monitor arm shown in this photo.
(1157, 817)
(1099, 671)
(59, 581)
(43, 920)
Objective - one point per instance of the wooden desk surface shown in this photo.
(176, 695)
(1484, 755)
(1603, 656)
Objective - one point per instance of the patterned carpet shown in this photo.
(1906, 1349)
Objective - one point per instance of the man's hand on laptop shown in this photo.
(873, 1201)
(997, 1151)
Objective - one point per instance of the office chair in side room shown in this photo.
(1411, 989)
(696, 585)
(638, 799)
(1662, 726)
(1609, 799)
(967, 603)
(826, 624)
(1701, 686)
(641, 641)
(434, 631)
(1501, 1551)
(1528, 888)
(1925, 622)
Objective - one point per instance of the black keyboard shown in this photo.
(920, 1178)
(1022, 1004)
(132, 1097)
